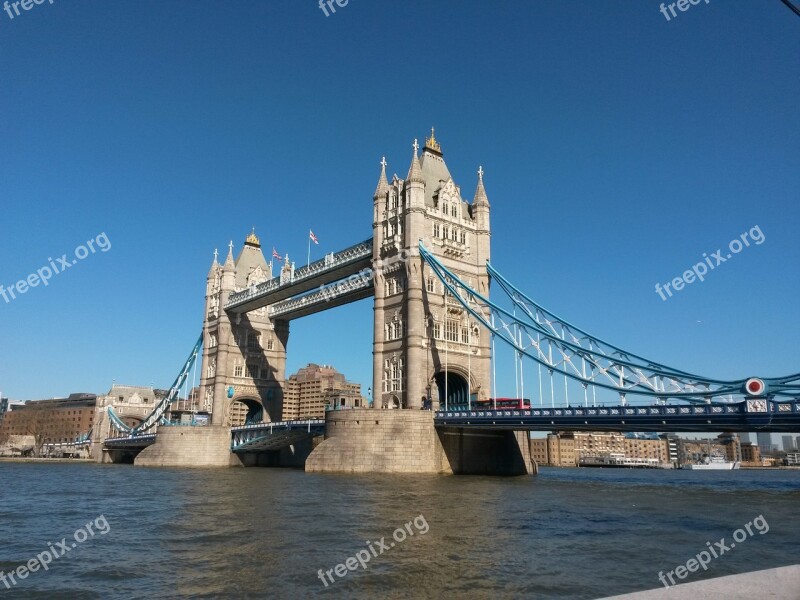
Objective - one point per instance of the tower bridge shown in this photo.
(427, 268)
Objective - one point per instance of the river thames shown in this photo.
(255, 533)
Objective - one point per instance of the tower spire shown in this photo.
(214, 265)
(229, 265)
(415, 172)
(383, 184)
(480, 193)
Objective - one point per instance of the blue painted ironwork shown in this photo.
(261, 437)
(331, 262)
(748, 415)
(565, 349)
(157, 414)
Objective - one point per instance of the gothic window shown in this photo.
(429, 285)
(464, 335)
(212, 340)
(212, 367)
(451, 331)
(453, 211)
(436, 230)
(446, 232)
(394, 201)
(238, 370)
(252, 370)
(455, 234)
(444, 208)
(437, 331)
(386, 288)
(270, 344)
(463, 237)
(253, 340)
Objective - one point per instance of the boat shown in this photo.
(617, 460)
(714, 462)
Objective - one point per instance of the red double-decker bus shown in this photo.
(504, 403)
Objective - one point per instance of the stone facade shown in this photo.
(244, 358)
(406, 441)
(189, 447)
(425, 343)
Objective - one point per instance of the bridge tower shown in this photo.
(425, 344)
(244, 356)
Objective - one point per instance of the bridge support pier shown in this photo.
(406, 441)
(189, 447)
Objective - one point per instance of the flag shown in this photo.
(312, 237)
(275, 254)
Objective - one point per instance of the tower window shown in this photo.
(436, 230)
(430, 284)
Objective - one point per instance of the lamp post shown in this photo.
(369, 396)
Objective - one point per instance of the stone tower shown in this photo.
(425, 344)
(244, 357)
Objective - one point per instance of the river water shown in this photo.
(266, 533)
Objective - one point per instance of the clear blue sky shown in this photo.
(618, 148)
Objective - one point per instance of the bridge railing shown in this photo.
(330, 262)
(326, 294)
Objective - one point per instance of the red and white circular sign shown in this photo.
(754, 386)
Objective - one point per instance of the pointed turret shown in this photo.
(415, 171)
(481, 200)
(212, 272)
(383, 184)
(229, 264)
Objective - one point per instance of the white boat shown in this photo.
(715, 462)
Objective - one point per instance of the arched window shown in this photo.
(444, 208)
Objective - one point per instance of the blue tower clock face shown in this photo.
(230, 392)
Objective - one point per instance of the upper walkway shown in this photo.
(334, 267)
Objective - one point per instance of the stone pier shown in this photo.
(189, 447)
(406, 441)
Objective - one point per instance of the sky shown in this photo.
(618, 148)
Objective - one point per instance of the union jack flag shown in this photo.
(275, 254)
(312, 237)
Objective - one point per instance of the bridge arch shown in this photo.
(454, 383)
(256, 411)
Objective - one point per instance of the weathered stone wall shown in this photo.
(406, 441)
(189, 447)
(378, 441)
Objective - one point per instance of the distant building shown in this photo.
(316, 387)
(3, 408)
(732, 445)
(131, 403)
(788, 443)
(751, 455)
(52, 421)
(792, 459)
(797, 442)
(764, 442)
(566, 449)
(744, 438)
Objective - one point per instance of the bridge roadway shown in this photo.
(334, 267)
(752, 415)
(262, 437)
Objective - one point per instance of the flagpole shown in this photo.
(308, 258)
